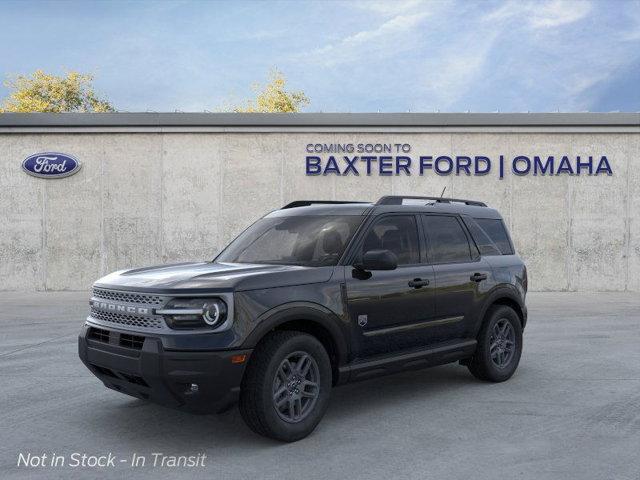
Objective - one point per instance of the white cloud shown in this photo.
(386, 7)
(632, 13)
(396, 25)
(393, 36)
(558, 12)
(521, 55)
(564, 67)
(578, 83)
(539, 15)
(507, 11)
(451, 73)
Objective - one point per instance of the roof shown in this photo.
(358, 208)
(366, 208)
(313, 121)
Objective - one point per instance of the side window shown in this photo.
(398, 234)
(447, 239)
(496, 231)
(484, 243)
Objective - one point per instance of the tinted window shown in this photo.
(447, 240)
(496, 231)
(314, 240)
(398, 234)
(484, 243)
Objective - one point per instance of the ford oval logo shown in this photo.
(51, 165)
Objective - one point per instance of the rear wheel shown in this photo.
(499, 346)
(286, 388)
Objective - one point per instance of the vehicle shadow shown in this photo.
(135, 422)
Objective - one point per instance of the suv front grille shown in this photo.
(130, 320)
(117, 296)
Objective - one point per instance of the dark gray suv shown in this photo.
(311, 296)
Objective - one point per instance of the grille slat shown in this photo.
(141, 298)
(141, 317)
(130, 320)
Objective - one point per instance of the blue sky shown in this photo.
(359, 56)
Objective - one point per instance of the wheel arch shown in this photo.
(506, 297)
(313, 319)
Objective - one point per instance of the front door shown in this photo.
(389, 310)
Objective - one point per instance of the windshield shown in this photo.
(314, 240)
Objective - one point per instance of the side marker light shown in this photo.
(238, 358)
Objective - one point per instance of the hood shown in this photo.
(198, 277)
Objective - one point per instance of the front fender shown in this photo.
(302, 311)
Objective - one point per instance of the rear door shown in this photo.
(389, 310)
(461, 275)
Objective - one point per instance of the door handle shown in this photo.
(418, 283)
(478, 277)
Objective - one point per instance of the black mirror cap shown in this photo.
(379, 260)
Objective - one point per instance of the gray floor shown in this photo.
(571, 411)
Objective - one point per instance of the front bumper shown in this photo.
(138, 365)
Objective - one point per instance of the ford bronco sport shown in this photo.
(311, 296)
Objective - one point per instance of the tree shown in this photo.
(42, 92)
(274, 98)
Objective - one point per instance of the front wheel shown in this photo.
(499, 346)
(286, 388)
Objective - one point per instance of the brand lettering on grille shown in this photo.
(112, 307)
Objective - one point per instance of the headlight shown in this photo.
(191, 313)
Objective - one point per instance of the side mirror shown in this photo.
(378, 260)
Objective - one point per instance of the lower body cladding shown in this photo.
(138, 365)
(416, 359)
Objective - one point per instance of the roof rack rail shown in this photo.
(397, 200)
(306, 203)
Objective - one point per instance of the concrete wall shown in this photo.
(150, 198)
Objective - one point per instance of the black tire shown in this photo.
(485, 363)
(260, 386)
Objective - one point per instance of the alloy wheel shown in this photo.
(502, 343)
(296, 387)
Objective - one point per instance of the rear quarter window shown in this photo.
(497, 232)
